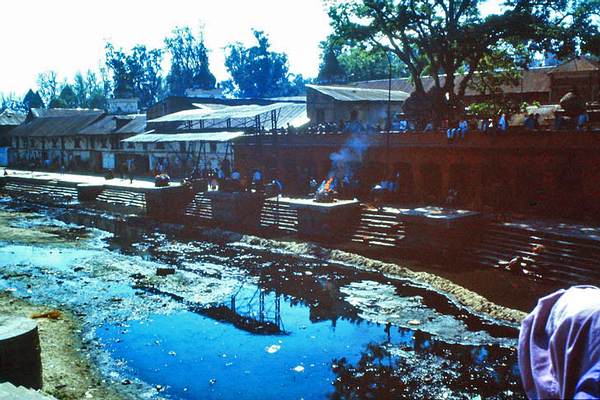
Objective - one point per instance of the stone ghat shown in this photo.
(570, 255)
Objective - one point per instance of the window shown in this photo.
(145, 146)
(103, 143)
(213, 147)
(130, 145)
(54, 142)
(92, 142)
(32, 142)
(77, 143)
(182, 147)
(160, 146)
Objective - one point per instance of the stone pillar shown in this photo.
(20, 360)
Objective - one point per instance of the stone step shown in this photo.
(10, 392)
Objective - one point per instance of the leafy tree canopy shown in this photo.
(48, 86)
(357, 62)
(257, 71)
(136, 74)
(32, 100)
(330, 70)
(189, 62)
(11, 101)
(448, 37)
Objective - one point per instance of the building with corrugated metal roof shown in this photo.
(8, 121)
(82, 139)
(343, 104)
(204, 135)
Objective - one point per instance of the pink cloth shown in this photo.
(559, 346)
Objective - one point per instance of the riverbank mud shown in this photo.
(68, 372)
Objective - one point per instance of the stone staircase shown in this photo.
(200, 208)
(565, 258)
(277, 215)
(122, 198)
(43, 192)
(10, 392)
(378, 227)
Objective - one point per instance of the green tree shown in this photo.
(257, 71)
(330, 70)
(136, 74)
(443, 38)
(362, 65)
(11, 102)
(81, 89)
(68, 96)
(32, 100)
(47, 86)
(189, 62)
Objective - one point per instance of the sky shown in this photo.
(67, 36)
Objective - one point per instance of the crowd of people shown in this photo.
(457, 128)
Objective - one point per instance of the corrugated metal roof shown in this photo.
(184, 137)
(231, 112)
(234, 117)
(60, 112)
(134, 123)
(346, 93)
(137, 125)
(11, 118)
(204, 106)
(57, 126)
(104, 126)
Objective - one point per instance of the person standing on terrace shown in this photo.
(502, 123)
(582, 120)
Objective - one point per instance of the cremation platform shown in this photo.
(236, 209)
(438, 230)
(325, 222)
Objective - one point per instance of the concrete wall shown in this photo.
(554, 174)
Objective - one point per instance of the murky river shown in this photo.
(247, 322)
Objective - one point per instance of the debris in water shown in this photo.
(53, 314)
(414, 322)
(172, 353)
(164, 271)
(274, 348)
(299, 368)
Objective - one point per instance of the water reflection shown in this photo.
(296, 324)
(412, 365)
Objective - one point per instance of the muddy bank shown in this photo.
(67, 371)
(463, 296)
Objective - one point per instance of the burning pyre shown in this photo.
(325, 193)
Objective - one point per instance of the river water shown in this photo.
(244, 321)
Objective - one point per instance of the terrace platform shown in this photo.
(236, 209)
(121, 195)
(325, 222)
(438, 230)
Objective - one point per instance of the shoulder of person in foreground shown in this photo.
(559, 345)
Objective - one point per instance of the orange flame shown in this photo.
(327, 187)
